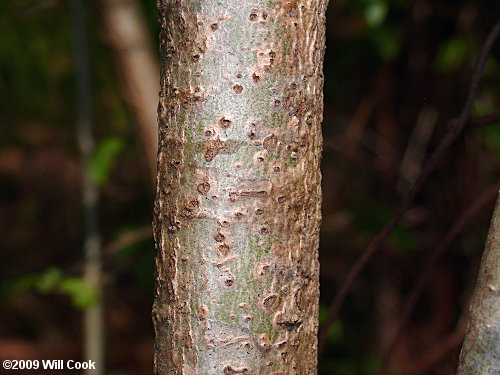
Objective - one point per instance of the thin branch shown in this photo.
(128, 239)
(455, 129)
(356, 127)
(438, 351)
(493, 118)
(476, 207)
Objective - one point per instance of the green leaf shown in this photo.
(386, 40)
(491, 136)
(103, 159)
(81, 293)
(48, 281)
(375, 13)
(53, 280)
(451, 54)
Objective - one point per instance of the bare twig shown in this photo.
(455, 129)
(493, 118)
(354, 131)
(477, 206)
(438, 351)
(128, 239)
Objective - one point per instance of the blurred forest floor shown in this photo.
(395, 73)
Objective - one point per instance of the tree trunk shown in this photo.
(93, 316)
(481, 349)
(237, 210)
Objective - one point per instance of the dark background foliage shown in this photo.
(395, 72)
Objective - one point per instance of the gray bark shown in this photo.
(481, 349)
(237, 210)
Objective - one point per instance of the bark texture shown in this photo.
(237, 210)
(481, 349)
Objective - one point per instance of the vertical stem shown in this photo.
(93, 316)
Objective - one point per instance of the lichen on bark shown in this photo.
(237, 210)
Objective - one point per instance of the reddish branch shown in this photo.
(455, 129)
(494, 118)
(476, 207)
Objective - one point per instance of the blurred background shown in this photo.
(395, 72)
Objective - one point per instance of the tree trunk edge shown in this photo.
(480, 352)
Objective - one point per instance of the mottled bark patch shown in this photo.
(203, 188)
(238, 89)
(213, 148)
(232, 367)
(225, 121)
(203, 312)
(269, 301)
